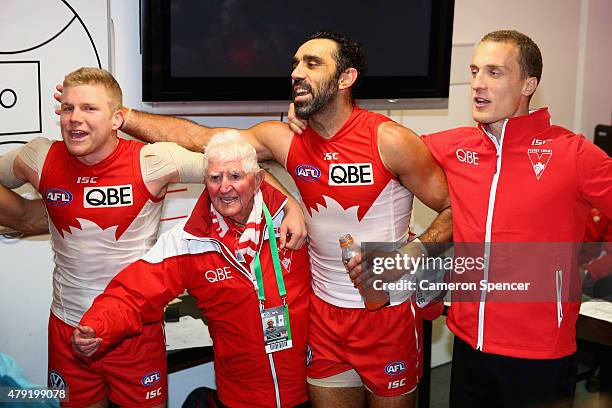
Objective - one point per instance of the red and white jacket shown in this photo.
(536, 185)
(191, 256)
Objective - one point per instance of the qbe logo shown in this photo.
(354, 174)
(108, 196)
(395, 368)
(219, 274)
(57, 196)
(467, 156)
(151, 379)
(307, 172)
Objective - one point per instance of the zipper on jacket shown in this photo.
(270, 356)
(272, 368)
(559, 285)
(275, 380)
(487, 248)
(227, 254)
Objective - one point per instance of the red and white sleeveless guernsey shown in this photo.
(103, 218)
(346, 188)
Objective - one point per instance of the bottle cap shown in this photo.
(345, 240)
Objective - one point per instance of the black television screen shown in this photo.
(241, 50)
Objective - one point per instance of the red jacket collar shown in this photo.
(523, 128)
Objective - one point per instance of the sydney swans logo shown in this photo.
(539, 160)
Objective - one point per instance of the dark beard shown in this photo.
(305, 110)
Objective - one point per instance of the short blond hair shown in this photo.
(97, 76)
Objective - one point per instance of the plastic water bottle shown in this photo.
(372, 298)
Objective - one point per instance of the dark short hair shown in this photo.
(350, 53)
(530, 57)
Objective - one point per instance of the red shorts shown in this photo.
(384, 347)
(133, 374)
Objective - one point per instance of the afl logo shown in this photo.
(307, 172)
(395, 368)
(56, 380)
(57, 196)
(151, 379)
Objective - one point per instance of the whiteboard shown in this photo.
(40, 42)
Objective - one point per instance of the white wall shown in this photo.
(552, 24)
(56, 39)
(596, 97)
(556, 25)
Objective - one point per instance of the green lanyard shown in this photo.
(275, 260)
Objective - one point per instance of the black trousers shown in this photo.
(489, 380)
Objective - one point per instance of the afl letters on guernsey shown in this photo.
(346, 188)
(102, 219)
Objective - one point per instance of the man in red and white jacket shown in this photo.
(515, 178)
(259, 343)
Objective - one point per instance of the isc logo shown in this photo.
(539, 142)
(395, 368)
(307, 172)
(396, 384)
(354, 174)
(108, 196)
(87, 180)
(151, 379)
(154, 393)
(57, 196)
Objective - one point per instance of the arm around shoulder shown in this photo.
(193, 136)
(293, 230)
(271, 140)
(24, 165)
(152, 128)
(163, 163)
(407, 156)
(26, 216)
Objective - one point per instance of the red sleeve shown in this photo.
(432, 311)
(139, 293)
(594, 169)
(273, 196)
(432, 143)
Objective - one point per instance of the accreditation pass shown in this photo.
(277, 333)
